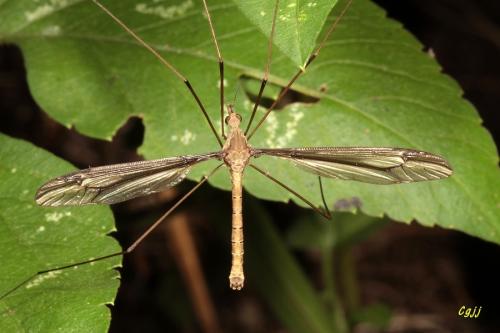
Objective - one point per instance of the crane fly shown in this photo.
(116, 183)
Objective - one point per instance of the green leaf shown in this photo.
(298, 23)
(376, 88)
(35, 238)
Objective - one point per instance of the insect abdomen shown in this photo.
(236, 277)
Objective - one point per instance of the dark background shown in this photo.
(423, 274)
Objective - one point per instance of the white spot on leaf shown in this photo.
(165, 12)
(284, 17)
(281, 137)
(185, 138)
(39, 279)
(271, 128)
(225, 83)
(247, 105)
(38, 12)
(45, 9)
(53, 30)
(302, 16)
(56, 216)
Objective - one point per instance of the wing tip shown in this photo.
(435, 163)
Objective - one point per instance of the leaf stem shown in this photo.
(348, 279)
(332, 297)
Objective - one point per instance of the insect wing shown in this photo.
(118, 182)
(368, 165)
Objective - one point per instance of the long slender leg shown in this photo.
(268, 67)
(327, 211)
(164, 62)
(310, 204)
(221, 67)
(302, 69)
(128, 250)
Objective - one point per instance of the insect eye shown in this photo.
(226, 120)
(239, 117)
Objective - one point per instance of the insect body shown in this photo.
(120, 182)
(236, 154)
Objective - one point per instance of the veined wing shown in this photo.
(118, 182)
(368, 165)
